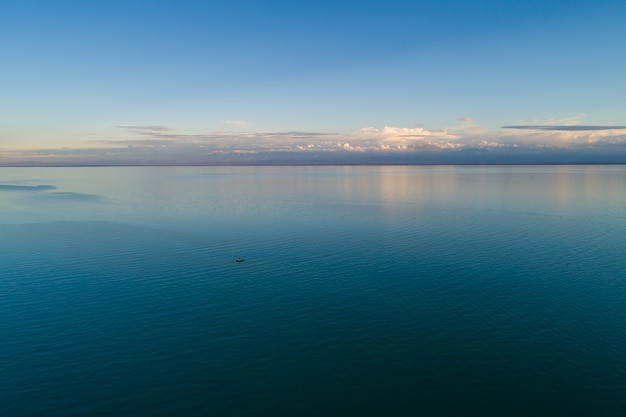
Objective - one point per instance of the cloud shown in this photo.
(400, 138)
(564, 127)
(466, 121)
(564, 136)
(565, 121)
(145, 129)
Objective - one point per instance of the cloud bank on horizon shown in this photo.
(465, 143)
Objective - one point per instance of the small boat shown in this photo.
(239, 260)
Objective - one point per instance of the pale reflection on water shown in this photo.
(162, 193)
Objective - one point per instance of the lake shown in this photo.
(365, 291)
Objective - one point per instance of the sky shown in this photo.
(218, 82)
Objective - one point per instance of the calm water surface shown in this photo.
(400, 291)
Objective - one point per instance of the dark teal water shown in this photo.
(366, 291)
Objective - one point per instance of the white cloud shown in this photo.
(565, 121)
(400, 138)
(147, 129)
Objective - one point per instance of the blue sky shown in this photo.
(297, 81)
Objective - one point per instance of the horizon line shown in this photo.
(307, 164)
